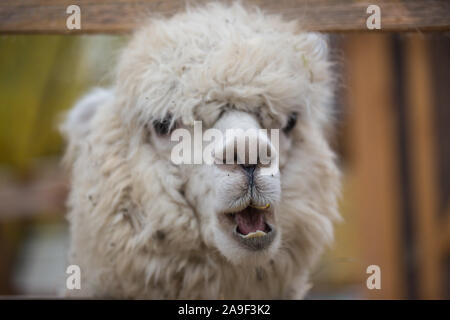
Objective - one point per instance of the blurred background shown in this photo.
(392, 136)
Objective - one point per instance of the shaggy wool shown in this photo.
(142, 227)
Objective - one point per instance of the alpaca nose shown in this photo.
(249, 168)
(245, 144)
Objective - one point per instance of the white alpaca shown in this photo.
(143, 227)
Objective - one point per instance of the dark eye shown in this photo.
(292, 121)
(163, 126)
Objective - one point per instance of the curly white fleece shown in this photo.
(138, 227)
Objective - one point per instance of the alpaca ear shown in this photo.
(76, 126)
(312, 50)
(313, 46)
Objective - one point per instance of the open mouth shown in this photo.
(252, 228)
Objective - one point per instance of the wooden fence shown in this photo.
(117, 16)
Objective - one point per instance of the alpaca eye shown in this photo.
(164, 126)
(292, 121)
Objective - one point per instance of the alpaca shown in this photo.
(143, 227)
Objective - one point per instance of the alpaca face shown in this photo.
(236, 196)
(248, 72)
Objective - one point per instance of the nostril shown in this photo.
(249, 168)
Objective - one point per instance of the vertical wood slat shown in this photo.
(445, 233)
(423, 166)
(374, 154)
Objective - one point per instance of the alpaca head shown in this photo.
(230, 68)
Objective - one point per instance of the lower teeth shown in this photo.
(255, 234)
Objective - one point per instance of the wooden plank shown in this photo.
(373, 152)
(120, 16)
(422, 138)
